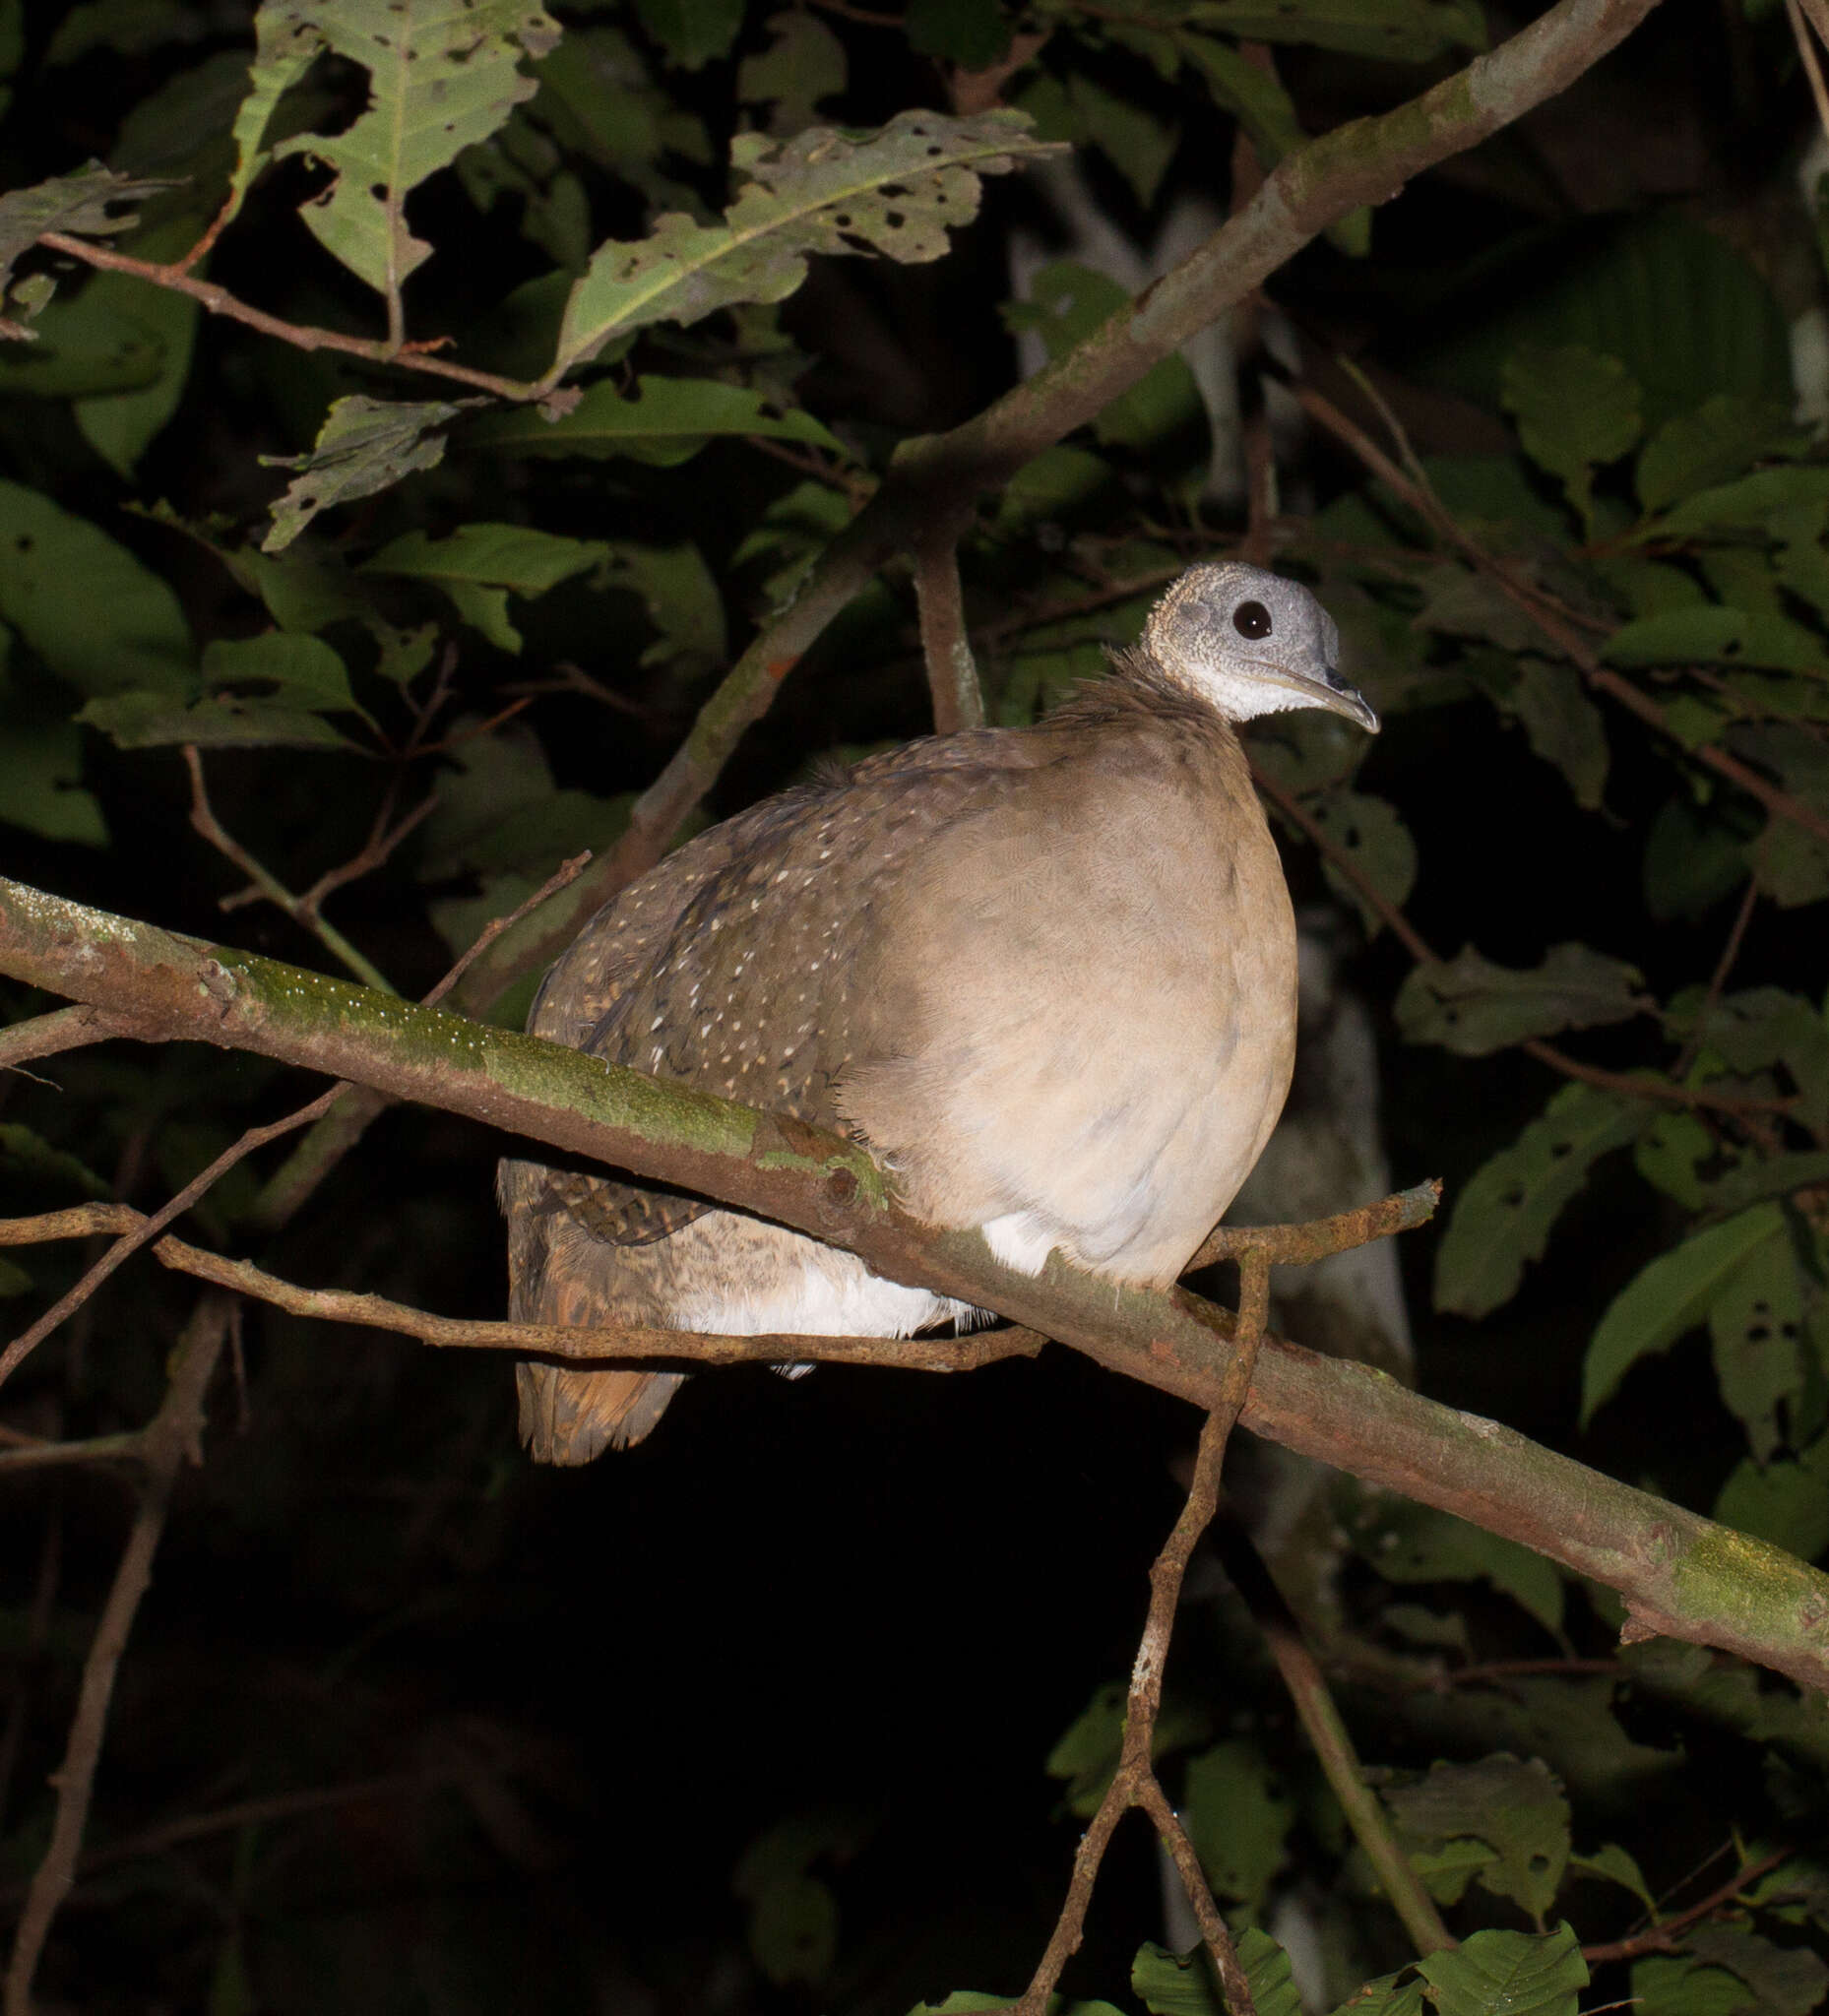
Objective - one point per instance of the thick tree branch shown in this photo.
(1680, 1574)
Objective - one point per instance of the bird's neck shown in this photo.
(1138, 692)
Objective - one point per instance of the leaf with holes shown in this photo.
(1575, 408)
(286, 45)
(1756, 1325)
(441, 78)
(364, 445)
(1370, 833)
(1508, 1974)
(1504, 1216)
(1673, 1294)
(897, 191)
(667, 422)
(1756, 1028)
(1472, 1007)
(1515, 1807)
(1709, 633)
(76, 204)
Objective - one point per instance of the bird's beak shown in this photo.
(1340, 698)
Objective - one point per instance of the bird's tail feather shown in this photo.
(570, 1417)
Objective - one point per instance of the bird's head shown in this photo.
(1248, 643)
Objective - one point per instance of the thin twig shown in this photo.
(1327, 1733)
(374, 852)
(44, 1036)
(1660, 1938)
(1807, 54)
(1717, 980)
(219, 302)
(545, 1340)
(946, 646)
(566, 871)
(149, 1229)
(205, 821)
(173, 1436)
(128, 1446)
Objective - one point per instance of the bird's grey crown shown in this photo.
(1208, 635)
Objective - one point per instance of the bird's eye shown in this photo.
(1251, 619)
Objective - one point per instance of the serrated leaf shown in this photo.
(1708, 633)
(1698, 449)
(1237, 1817)
(1066, 302)
(364, 445)
(1508, 1974)
(77, 205)
(124, 629)
(1502, 1217)
(1671, 1295)
(1416, 1543)
(1575, 408)
(443, 76)
(1785, 1501)
(1396, 30)
(1371, 834)
(1472, 1007)
(897, 191)
(667, 422)
(1516, 1807)
(42, 783)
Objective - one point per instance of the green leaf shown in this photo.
(517, 556)
(1789, 1981)
(1665, 1985)
(1709, 633)
(1785, 1501)
(693, 32)
(1614, 1865)
(1395, 31)
(120, 425)
(1508, 1974)
(440, 80)
(364, 445)
(897, 190)
(124, 629)
(130, 28)
(155, 721)
(1386, 1998)
(1756, 1325)
(1575, 408)
(1182, 1984)
(1407, 1544)
(1564, 726)
(1237, 1817)
(1516, 1808)
(302, 672)
(1371, 834)
(1666, 1156)
(286, 45)
(973, 34)
(1751, 501)
(76, 204)
(804, 64)
(1692, 862)
(683, 603)
(1066, 302)
(34, 1164)
(1697, 449)
(1472, 1007)
(1055, 484)
(14, 1280)
(42, 783)
(1502, 1217)
(1132, 139)
(1086, 1754)
(794, 1929)
(667, 422)
(88, 342)
(1755, 1028)
(1673, 1294)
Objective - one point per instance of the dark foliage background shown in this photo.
(756, 1717)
